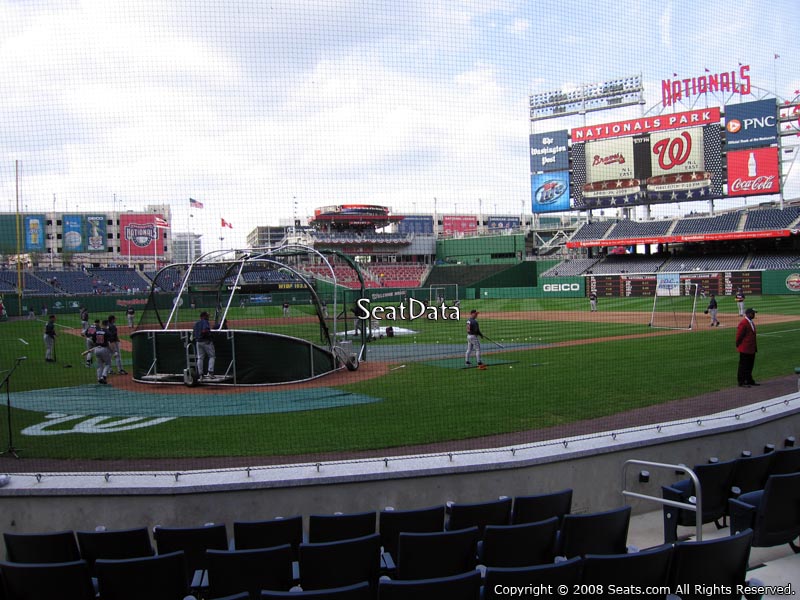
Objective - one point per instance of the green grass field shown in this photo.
(421, 402)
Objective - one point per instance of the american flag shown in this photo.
(194, 203)
(161, 223)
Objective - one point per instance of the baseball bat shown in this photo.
(499, 345)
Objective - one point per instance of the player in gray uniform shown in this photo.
(205, 345)
(89, 343)
(102, 352)
(113, 344)
(84, 320)
(50, 339)
(473, 339)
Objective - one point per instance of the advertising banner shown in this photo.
(549, 151)
(139, 235)
(550, 192)
(692, 118)
(33, 230)
(609, 160)
(502, 223)
(96, 230)
(72, 239)
(459, 223)
(753, 172)
(751, 124)
(416, 224)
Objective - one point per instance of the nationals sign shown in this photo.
(139, 235)
(692, 118)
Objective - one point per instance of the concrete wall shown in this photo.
(592, 466)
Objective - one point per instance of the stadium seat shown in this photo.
(465, 586)
(567, 572)
(55, 547)
(249, 535)
(522, 545)
(161, 577)
(332, 528)
(640, 569)
(528, 509)
(594, 533)
(772, 513)
(785, 460)
(357, 591)
(429, 555)
(341, 563)
(480, 514)
(751, 473)
(119, 544)
(29, 581)
(234, 571)
(392, 523)
(715, 486)
(717, 562)
(193, 542)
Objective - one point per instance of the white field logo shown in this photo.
(416, 310)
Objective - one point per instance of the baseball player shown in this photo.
(204, 345)
(84, 319)
(473, 341)
(113, 344)
(592, 301)
(130, 313)
(89, 343)
(740, 301)
(50, 339)
(102, 352)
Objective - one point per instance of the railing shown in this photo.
(697, 507)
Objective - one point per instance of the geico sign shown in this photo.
(561, 287)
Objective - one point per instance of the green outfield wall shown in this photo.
(499, 249)
(781, 282)
(551, 287)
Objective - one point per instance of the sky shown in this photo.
(266, 110)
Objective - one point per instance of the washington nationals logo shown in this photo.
(673, 151)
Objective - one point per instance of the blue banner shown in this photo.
(751, 124)
(416, 224)
(33, 227)
(549, 152)
(550, 192)
(501, 223)
(73, 234)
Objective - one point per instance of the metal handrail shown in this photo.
(697, 507)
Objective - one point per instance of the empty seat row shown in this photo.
(662, 570)
(722, 481)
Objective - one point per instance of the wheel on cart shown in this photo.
(190, 377)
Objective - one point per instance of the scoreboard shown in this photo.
(723, 283)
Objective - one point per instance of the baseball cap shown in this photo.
(751, 310)
(473, 312)
(204, 314)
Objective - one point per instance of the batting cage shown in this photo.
(279, 315)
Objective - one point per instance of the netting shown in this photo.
(392, 140)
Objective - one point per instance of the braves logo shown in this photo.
(673, 152)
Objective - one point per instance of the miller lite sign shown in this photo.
(753, 172)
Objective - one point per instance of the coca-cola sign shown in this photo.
(753, 172)
(760, 185)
